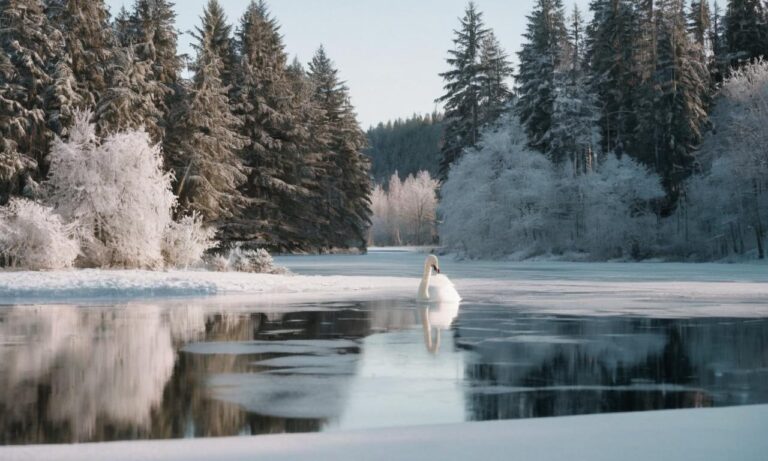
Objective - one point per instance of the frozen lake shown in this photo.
(606, 338)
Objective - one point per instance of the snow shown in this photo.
(700, 434)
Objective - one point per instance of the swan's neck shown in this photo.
(424, 287)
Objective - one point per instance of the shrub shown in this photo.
(186, 241)
(32, 236)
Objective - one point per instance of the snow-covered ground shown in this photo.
(648, 289)
(702, 434)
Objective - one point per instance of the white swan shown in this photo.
(436, 289)
(435, 318)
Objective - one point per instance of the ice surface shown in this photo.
(721, 434)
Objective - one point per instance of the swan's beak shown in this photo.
(437, 269)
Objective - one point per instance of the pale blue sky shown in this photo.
(389, 52)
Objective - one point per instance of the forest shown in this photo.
(118, 153)
(638, 133)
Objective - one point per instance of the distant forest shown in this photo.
(406, 146)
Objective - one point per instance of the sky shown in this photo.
(389, 52)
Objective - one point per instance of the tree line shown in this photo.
(267, 151)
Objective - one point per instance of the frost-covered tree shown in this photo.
(541, 58)
(33, 237)
(116, 192)
(185, 241)
(494, 201)
(406, 212)
(463, 88)
(29, 47)
(728, 201)
(154, 38)
(349, 187)
(206, 142)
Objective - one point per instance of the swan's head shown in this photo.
(431, 262)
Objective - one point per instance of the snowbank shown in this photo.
(701, 434)
(42, 287)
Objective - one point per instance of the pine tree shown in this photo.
(155, 37)
(718, 64)
(30, 47)
(89, 43)
(540, 61)
(219, 34)
(348, 191)
(496, 69)
(463, 89)
(746, 32)
(205, 140)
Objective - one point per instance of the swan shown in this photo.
(437, 288)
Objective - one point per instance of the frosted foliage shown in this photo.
(727, 205)
(116, 191)
(406, 212)
(494, 201)
(186, 241)
(506, 200)
(247, 260)
(34, 237)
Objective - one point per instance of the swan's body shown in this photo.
(437, 317)
(436, 288)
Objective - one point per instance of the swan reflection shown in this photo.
(435, 318)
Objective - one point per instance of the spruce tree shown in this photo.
(614, 73)
(496, 69)
(154, 39)
(30, 47)
(700, 23)
(263, 98)
(206, 142)
(463, 89)
(746, 32)
(349, 187)
(540, 61)
(219, 34)
(89, 41)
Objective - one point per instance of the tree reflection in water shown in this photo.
(75, 374)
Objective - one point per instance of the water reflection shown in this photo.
(80, 374)
(434, 319)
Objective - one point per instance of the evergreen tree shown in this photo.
(700, 23)
(29, 48)
(718, 64)
(155, 37)
(349, 187)
(678, 110)
(89, 43)
(541, 58)
(746, 32)
(131, 100)
(463, 89)
(265, 106)
(496, 69)
(574, 131)
(219, 34)
(205, 140)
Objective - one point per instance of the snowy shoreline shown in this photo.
(700, 434)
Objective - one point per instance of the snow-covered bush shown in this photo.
(32, 236)
(504, 199)
(186, 241)
(495, 199)
(117, 192)
(246, 260)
